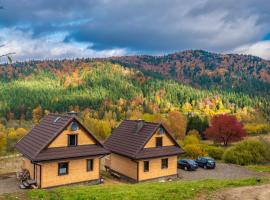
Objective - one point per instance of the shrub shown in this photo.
(246, 153)
(194, 150)
(191, 139)
(256, 129)
(195, 133)
(214, 152)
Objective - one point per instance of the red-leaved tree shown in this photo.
(225, 128)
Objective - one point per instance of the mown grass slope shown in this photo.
(146, 191)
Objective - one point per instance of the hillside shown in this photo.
(202, 69)
(195, 82)
(60, 85)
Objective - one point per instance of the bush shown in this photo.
(194, 150)
(194, 132)
(256, 129)
(214, 152)
(246, 153)
(191, 139)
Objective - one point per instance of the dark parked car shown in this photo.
(206, 162)
(187, 164)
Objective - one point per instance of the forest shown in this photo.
(104, 93)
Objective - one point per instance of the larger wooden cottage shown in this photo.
(142, 151)
(60, 150)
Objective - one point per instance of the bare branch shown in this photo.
(5, 55)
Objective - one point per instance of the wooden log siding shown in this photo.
(166, 141)
(62, 139)
(155, 170)
(77, 172)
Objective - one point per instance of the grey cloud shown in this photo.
(144, 25)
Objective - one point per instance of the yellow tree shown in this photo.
(37, 114)
(177, 122)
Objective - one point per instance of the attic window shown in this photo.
(72, 140)
(56, 119)
(159, 142)
(161, 131)
(74, 126)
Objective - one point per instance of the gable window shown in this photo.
(159, 142)
(161, 131)
(72, 140)
(164, 163)
(146, 166)
(74, 126)
(62, 168)
(89, 165)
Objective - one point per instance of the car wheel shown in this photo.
(204, 167)
(185, 168)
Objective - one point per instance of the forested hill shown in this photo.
(203, 69)
(205, 84)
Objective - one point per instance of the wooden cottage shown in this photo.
(59, 151)
(142, 151)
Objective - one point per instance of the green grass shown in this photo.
(146, 191)
(259, 168)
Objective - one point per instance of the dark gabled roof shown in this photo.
(159, 152)
(128, 141)
(34, 144)
(71, 152)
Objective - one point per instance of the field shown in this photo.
(146, 191)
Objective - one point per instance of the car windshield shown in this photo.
(192, 162)
(210, 160)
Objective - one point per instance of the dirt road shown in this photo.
(261, 192)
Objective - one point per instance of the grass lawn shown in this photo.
(259, 168)
(145, 191)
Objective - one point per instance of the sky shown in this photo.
(57, 29)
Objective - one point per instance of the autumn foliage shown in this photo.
(225, 128)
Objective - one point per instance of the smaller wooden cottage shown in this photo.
(142, 151)
(59, 151)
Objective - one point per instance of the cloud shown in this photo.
(261, 49)
(48, 47)
(141, 26)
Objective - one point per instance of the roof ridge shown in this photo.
(142, 120)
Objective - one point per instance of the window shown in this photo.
(72, 140)
(62, 168)
(164, 163)
(146, 166)
(159, 142)
(74, 126)
(161, 131)
(89, 165)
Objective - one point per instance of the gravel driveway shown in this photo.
(222, 171)
(8, 184)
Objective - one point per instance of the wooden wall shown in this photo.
(76, 173)
(62, 139)
(123, 165)
(152, 142)
(155, 170)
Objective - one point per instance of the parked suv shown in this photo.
(187, 164)
(206, 162)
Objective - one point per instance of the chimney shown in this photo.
(140, 124)
(72, 113)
